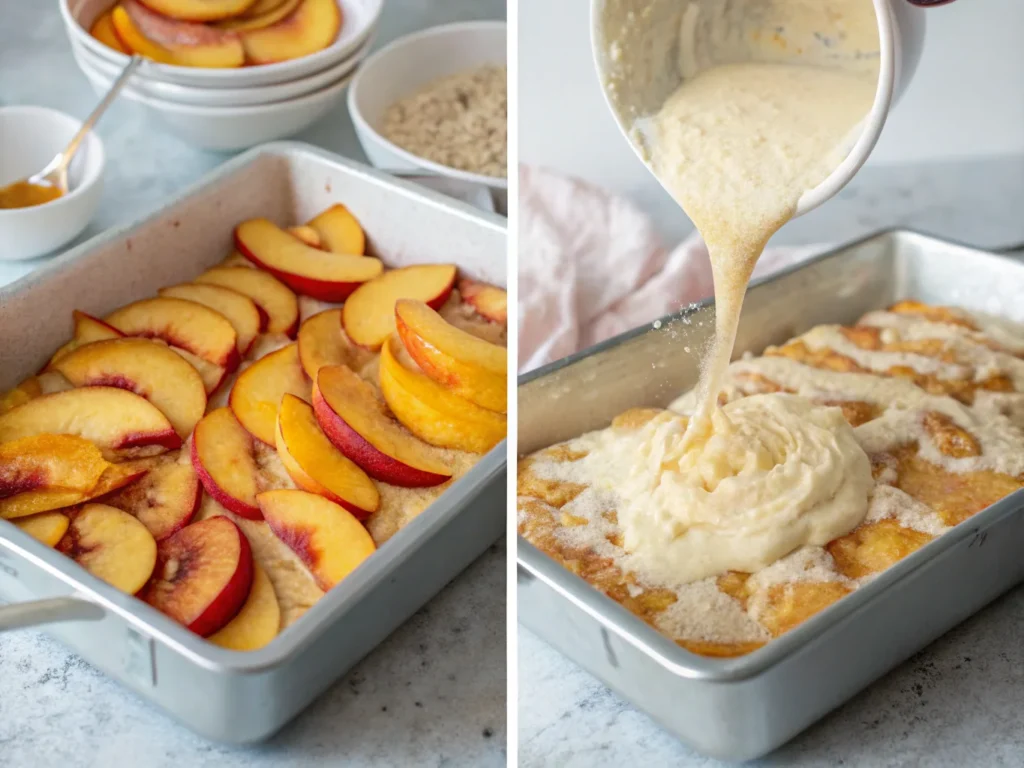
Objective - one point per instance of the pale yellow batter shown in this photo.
(772, 95)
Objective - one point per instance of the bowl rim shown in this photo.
(324, 77)
(92, 143)
(248, 110)
(221, 76)
(363, 125)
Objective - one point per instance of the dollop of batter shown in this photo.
(775, 473)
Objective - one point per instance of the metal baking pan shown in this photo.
(227, 695)
(744, 707)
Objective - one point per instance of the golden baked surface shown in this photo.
(936, 397)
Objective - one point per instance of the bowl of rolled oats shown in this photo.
(436, 102)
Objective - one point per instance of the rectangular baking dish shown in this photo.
(227, 695)
(743, 708)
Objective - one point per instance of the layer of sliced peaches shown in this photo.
(183, 448)
(219, 33)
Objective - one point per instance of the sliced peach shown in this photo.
(87, 330)
(203, 575)
(258, 390)
(33, 502)
(200, 10)
(489, 301)
(222, 454)
(306, 270)
(111, 545)
(354, 420)
(145, 367)
(432, 412)
(193, 327)
(340, 231)
(322, 341)
(369, 314)
(212, 375)
(329, 540)
(272, 296)
(239, 310)
(307, 234)
(165, 500)
(120, 423)
(193, 46)
(468, 366)
(103, 30)
(258, 621)
(47, 527)
(316, 465)
(259, 19)
(27, 390)
(309, 28)
(60, 463)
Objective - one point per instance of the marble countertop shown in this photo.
(432, 694)
(954, 704)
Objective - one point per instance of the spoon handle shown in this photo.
(92, 119)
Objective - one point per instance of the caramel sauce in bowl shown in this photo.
(22, 194)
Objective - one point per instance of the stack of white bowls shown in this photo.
(228, 109)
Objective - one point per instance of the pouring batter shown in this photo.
(772, 95)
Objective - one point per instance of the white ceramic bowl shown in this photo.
(232, 128)
(359, 20)
(102, 73)
(29, 139)
(409, 63)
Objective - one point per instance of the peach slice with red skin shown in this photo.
(103, 30)
(165, 500)
(489, 301)
(87, 330)
(147, 368)
(258, 390)
(308, 271)
(185, 324)
(329, 540)
(340, 231)
(322, 341)
(470, 367)
(47, 527)
(311, 27)
(432, 412)
(222, 454)
(115, 476)
(111, 545)
(239, 310)
(64, 465)
(369, 314)
(257, 622)
(272, 297)
(200, 10)
(352, 417)
(184, 45)
(120, 423)
(203, 575)
(316, 465)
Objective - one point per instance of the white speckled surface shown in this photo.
(955, 704)
(432, 694)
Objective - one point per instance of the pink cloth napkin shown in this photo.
(591, 266)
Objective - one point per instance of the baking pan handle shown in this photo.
(52, 609)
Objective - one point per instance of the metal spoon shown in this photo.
(55, 174)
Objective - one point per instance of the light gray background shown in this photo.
(433, 694)
(950, 163)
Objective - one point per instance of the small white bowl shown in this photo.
(359, 20)
(408, 64)
(102, 73)
(232, 128)
(29, 139)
